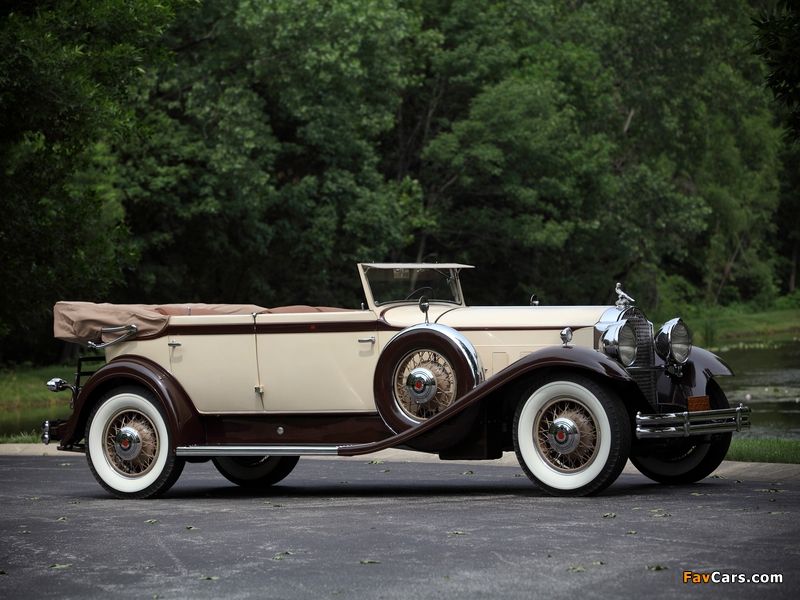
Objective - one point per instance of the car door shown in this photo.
(317, 361)
(214, 359)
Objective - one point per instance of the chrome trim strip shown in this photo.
(675, 425)
(467, 349)
(266, 450)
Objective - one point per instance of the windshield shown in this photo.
(409, 284)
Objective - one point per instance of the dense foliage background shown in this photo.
(558, 145)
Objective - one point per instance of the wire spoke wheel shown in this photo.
(567, 435)
(128, 444)
(131, 443)
(572, 435)
(424, 384)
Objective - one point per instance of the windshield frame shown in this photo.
(448, 272)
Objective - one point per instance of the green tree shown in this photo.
(64, 72)
(558, 146)
(777, 41)
(261, 181)
(521, 140)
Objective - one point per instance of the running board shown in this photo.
(257, 451)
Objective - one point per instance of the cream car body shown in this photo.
(574, 391)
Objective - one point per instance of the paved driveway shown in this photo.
(392, 529)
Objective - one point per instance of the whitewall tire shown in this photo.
(128, 444)
(572, 436)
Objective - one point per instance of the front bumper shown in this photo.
(703, 422)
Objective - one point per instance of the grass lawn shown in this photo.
(22, 438)
(24, 387)
(764, 450)
(714, 330)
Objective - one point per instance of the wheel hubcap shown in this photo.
(131, 443)
(421, 385)
(127, 443)
(563, 435)
(566, 435)
(424, 384)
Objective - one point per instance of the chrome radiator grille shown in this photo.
(645, 356)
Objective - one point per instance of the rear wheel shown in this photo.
(255, 471)
(572, 436)
(128, 444)
(689, 460)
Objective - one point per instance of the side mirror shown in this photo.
(424, 305)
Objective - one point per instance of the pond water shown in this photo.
(30, 419)
(767, 379)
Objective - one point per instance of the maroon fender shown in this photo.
(571, 357)
(442, 340)
(576, 357)
(184, 421)
(693, 381)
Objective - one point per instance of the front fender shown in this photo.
(184, 421)
(576, 357)
(570, 357)
(673, 390)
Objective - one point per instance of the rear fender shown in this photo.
(184, 421)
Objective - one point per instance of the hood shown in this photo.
(498, 317)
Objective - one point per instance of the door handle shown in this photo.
(369, 340)
(174, 344)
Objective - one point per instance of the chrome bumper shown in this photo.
(676, 425)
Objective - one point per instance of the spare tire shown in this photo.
(422, 371)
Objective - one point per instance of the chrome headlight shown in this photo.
(619, 341)
(674, 342)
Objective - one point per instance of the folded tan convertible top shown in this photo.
(81, 322)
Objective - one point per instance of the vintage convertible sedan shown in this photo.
(574, 391)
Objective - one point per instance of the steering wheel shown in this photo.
(418, 290)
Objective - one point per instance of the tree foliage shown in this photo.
(778, 43)
(64, 72)
(261, 180)
(559, 146)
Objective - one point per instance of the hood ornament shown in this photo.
(623, 300)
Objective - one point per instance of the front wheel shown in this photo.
(572, 436)
(128, 444)
(688, 460)
(255, 471)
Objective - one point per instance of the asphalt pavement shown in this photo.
(395, 525)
